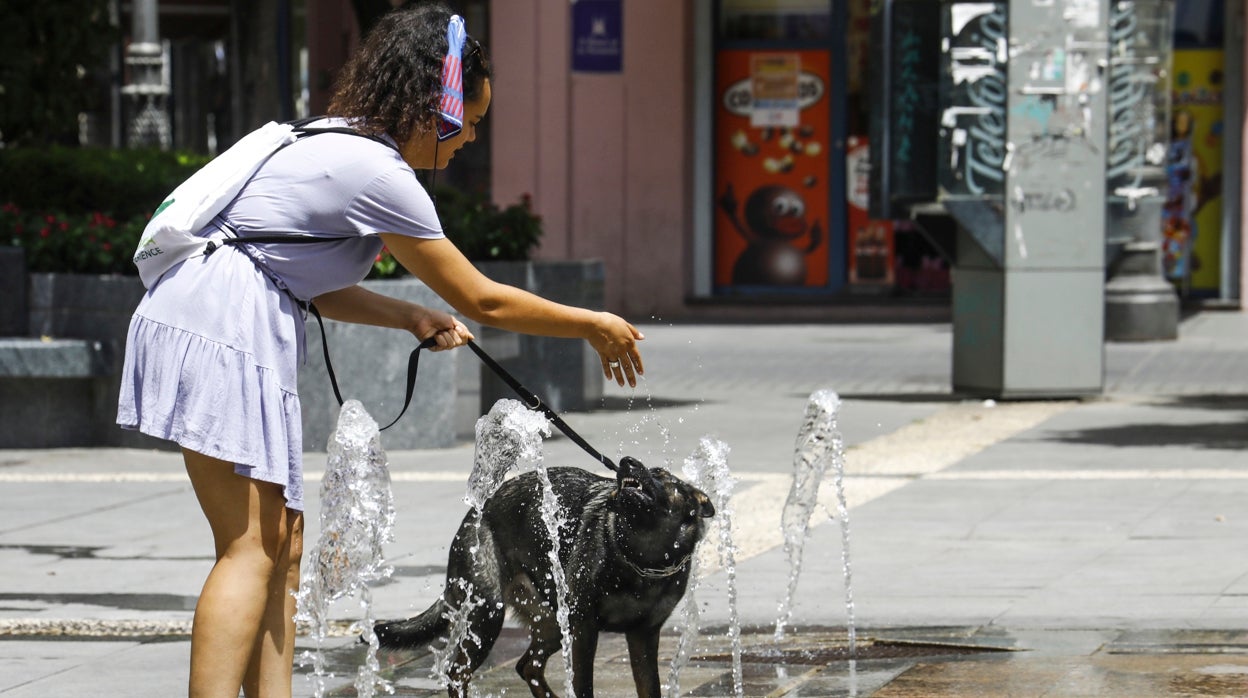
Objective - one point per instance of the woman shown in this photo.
(212, 351)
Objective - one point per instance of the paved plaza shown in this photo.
(1091, 547)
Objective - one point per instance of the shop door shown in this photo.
(779, 184)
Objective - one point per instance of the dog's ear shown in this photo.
(705, 509)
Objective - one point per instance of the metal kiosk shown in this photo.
(1031, 122)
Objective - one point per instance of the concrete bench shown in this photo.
(48, 389)
(34, 357)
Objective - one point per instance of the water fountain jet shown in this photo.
(357, 518)
(819, 446)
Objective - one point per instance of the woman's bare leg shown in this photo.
(270, 670)
(250, 529)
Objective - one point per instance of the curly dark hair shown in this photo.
(394, 81)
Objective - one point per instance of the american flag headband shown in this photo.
(451, 104)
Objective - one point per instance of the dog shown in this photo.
(626, 553)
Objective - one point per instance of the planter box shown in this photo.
(453, 388)
(565, 373)
(371, 366)
(14, 321)
(63, 392)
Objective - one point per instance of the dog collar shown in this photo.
(658, 572)
(650, 572)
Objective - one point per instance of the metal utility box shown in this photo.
(1023, 131)
(1040, 127)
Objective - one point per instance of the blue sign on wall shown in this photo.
(597, 36)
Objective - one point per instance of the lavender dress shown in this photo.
(213, 348)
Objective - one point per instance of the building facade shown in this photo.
(714, 153)
(699, 204)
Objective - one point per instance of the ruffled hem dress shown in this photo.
(213, 347)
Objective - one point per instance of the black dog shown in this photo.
(626, 555)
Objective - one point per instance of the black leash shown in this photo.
(534, 402)
(413, 364)
(531, 400)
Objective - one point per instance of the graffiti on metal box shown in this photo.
(1060, 201)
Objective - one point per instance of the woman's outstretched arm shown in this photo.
(444, 268)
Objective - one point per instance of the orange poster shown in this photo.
(771, 170)
(870, 260)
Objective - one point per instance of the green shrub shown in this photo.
(98, 242)
(480, 229)
(83, 243)
(83, 209)
(120, 183)
(51, 67)
(483, 231)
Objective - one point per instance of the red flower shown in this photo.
(45, 232)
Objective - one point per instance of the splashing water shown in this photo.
(819, 445)
(690, 625)
(508, 438)
(554, 518)
(842, 508)
(357, 518)
(459, 631)
(707, 469)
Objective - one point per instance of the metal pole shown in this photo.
(149, 123)
(1140, 305)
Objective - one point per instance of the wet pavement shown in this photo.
(1058, 548)
(894, 663)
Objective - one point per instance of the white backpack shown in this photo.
(169, 236)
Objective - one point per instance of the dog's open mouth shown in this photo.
(629, 482)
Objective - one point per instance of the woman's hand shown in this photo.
(359, 305)
(443, 327)
(615, 340)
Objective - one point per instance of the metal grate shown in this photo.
(875, 649)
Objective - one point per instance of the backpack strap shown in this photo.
(302, 131)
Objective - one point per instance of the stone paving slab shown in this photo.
(1058, 528)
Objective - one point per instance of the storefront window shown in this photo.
(775, 20)
(1198, 23)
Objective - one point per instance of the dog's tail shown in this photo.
(414, 633)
